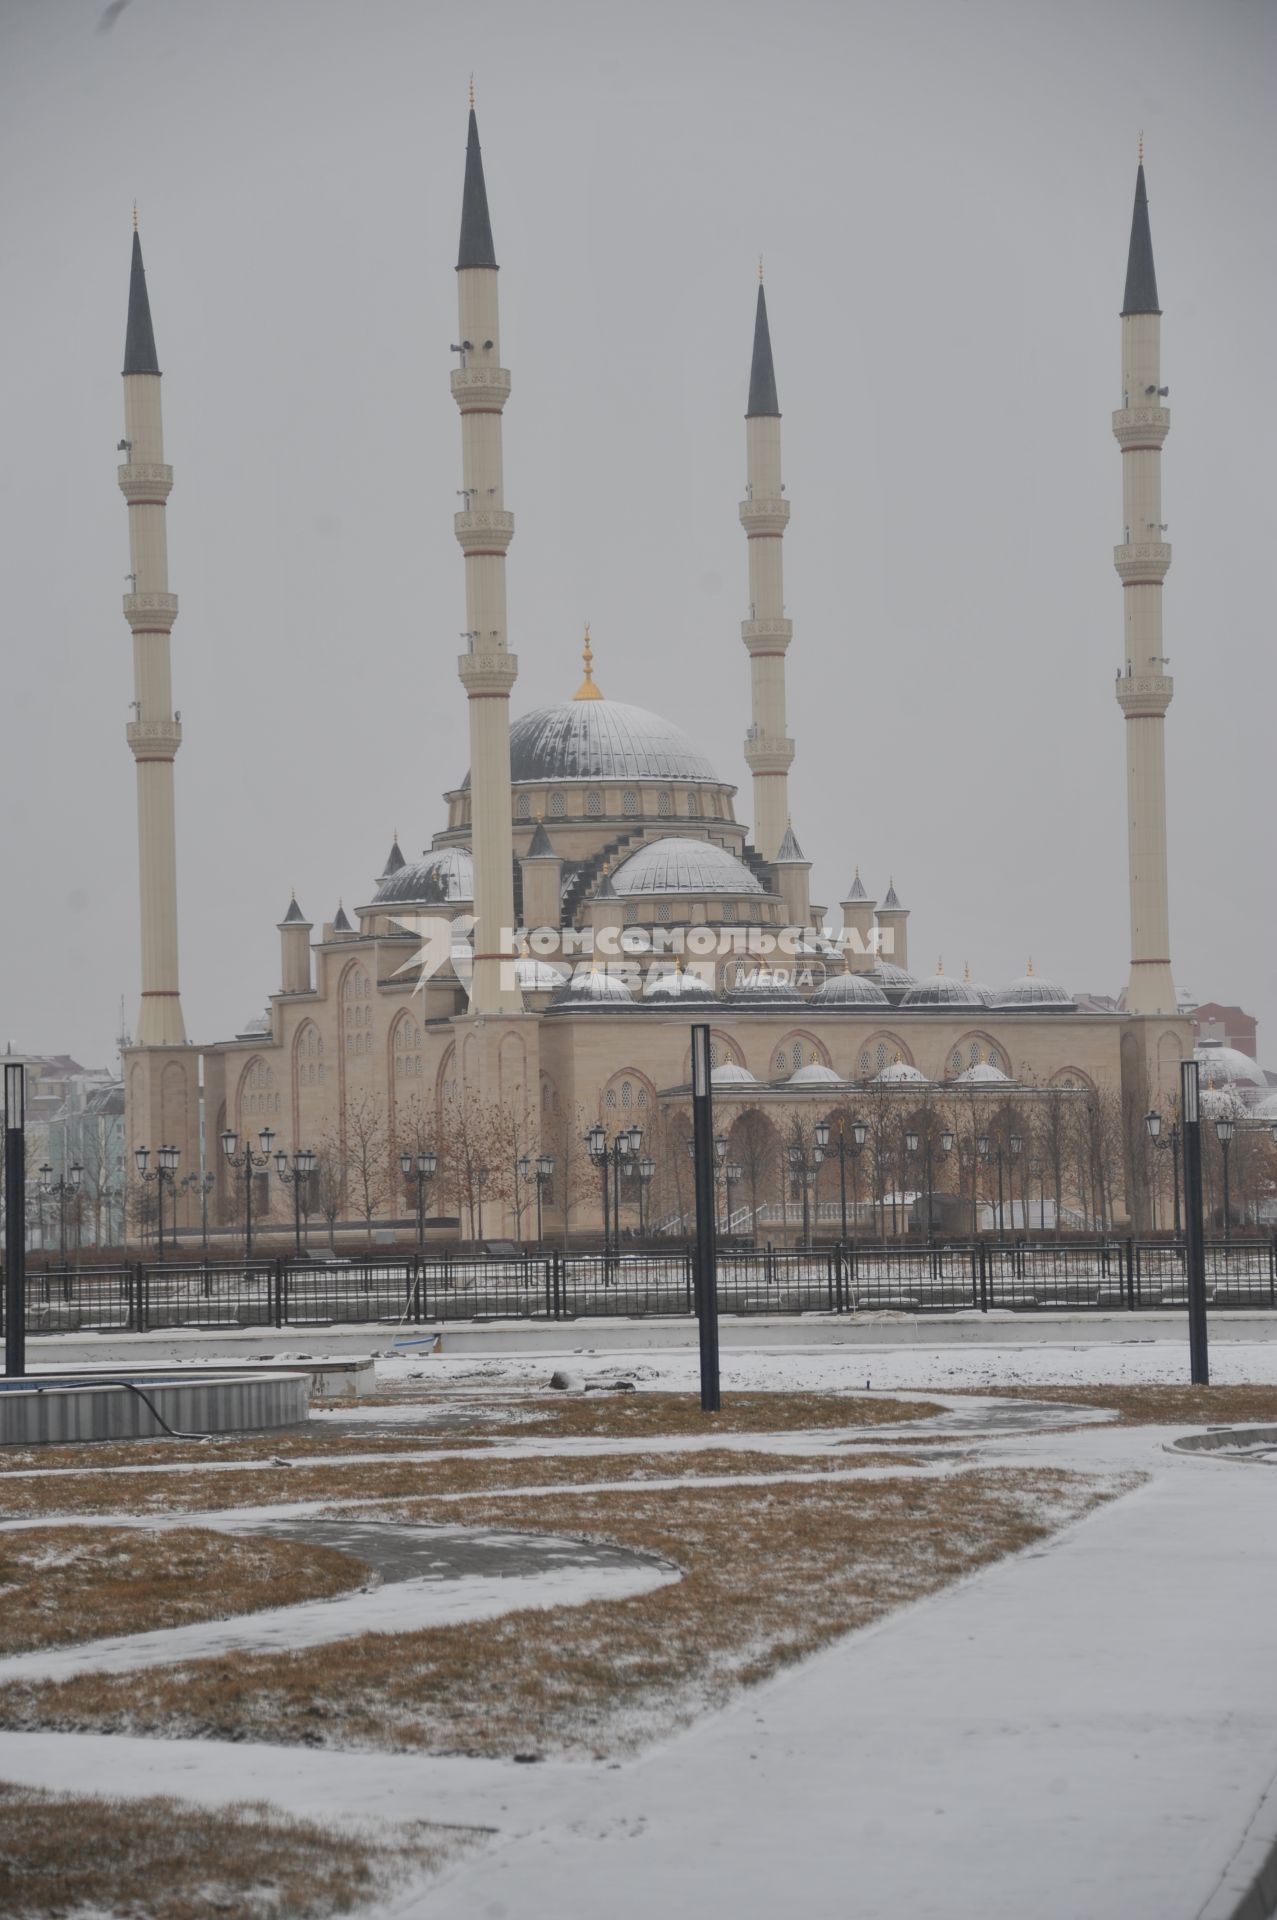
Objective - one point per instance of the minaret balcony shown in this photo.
(480, 389)
(487, 673)
(1141, 427)
(158, 610)
(766, 636)
(484, 532)
(1144, 563)
(1140, 694)
(150, 481)
(154, 739)
(768, 752)
(763, 514)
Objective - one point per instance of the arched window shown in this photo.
(558, 806)
(631, 916)
(627, 1094)
(781, 1062)
(729, 909)
(663, 910)
(798, 1053)
(629, 803)
(955, 1061)
(642, 1096)
(609, 1098)
(693, 806)
(664, 805)
(594, 803)
(522, 808)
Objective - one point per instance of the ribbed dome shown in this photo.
(887, 974)
(677, 865)
(1266, 1110)
(983, 1074)
(898, 1071)
(1227, 1067)
(537, 976)
(602, 740)
(850, 990)
(446, 874)
(813, 1074)
(595, 986)
(942, 990)
(729, 1074)
(762, 987)
(255, 1028)
(672, 983)
(1031, 990)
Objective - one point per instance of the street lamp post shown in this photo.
(609, 1158)
(203, 1184)
(805, 1168)
(646, 1172)
(733, 1173)
(720, 1154)
(70, 1183)
(928, 1164)
(859, 1134)
(1153, 1121)
(545, 1174)
(1224, 1130)
(302, 1168)
(15, 1217)
(246, 1161)
(419, 1167)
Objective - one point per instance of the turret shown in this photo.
(893, 928)
(294, 950)
(858, 920)
(793, 878)
(764, 514)
(542, 871)
(1144, 688)
(154, 733)
(484, 530)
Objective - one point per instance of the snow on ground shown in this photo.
(782, 1369)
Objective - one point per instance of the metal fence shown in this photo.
(388, 1290)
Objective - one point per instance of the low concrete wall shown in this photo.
(53, 1415)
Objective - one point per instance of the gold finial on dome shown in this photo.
(966, 970)
(525, 951)
(939, 966)
(1029, 968)
(587, 689)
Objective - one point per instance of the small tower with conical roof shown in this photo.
(542, 872)
(1144, 688)
(793, 878)
(155, 732)
(893, 928)
(858, 920)
(294, 950)
(484, 530)
(764, 514)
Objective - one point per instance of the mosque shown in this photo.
(595, 890)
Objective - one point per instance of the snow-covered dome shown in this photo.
(849, 990)
(595, 986)
(444, 874)
(1224, 1103)
(254, 1029)
(676, 983)
(899, 1071)
(730, 1074)
(1031, 990)
(942, 990)
(601, 740)
(763, 987)
(537, 976)
(983, 1074)
(1267, 1109)
(682, 865)
(1220, 1066)
(888, 974)
(815, 1073)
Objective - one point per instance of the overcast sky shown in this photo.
(942, 192)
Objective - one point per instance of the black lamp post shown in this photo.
(302, 1168)
(246, 1161)
(545, 1174)
(805, 1168)
(859, 1134)
(628, 1141)
(1224, 1130)
(720, 1154)
(419, 1167)
(646, 1172)
(1015, 1143)
(203, 1184)
(733, 1173)
(928, 1163)
(1153, 1121)
(15, 1217)
(70, 1183)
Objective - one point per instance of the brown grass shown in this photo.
(63, 1585)
(770, 1574)
(1159, 1406)
(164, 1859)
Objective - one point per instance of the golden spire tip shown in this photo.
(587, 689)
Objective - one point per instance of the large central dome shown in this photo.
(602, 740)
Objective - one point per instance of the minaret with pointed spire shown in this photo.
(1144, 687)
(154, 733)
(481, 387)
(764, 514)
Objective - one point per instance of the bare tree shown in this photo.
(754, 1146)
(328, 1187)
(365, 1162)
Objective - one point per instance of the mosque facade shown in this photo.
(592, 892)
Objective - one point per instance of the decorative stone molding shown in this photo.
(1145, 692)
(768, 752)
(150, 609)
(485, 530)
(766, 636)
(145, 482)
(487, 672)
(147, 737)
(480, 387)
(1142, 563)
(1141, 426)
(764, 515)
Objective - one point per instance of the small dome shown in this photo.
(678, 865)
(897, 1072)
(1224, 1103)
(763, 987)
(1220, 1066)
(1267, 1109)
(1031, 990)
(255, 1028)
(537, 976)
(983, 1074)
(887, 974)
(601, 740)
(676, 983)
(729, 1074)
(444, 874)
(813, 1074)
(942, 990)
(850, 990)
(595, 986)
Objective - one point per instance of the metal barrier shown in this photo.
(971, 1275)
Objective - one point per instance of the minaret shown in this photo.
(764, 514)
(154, 733)
(481, 387)
(1144, 687)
